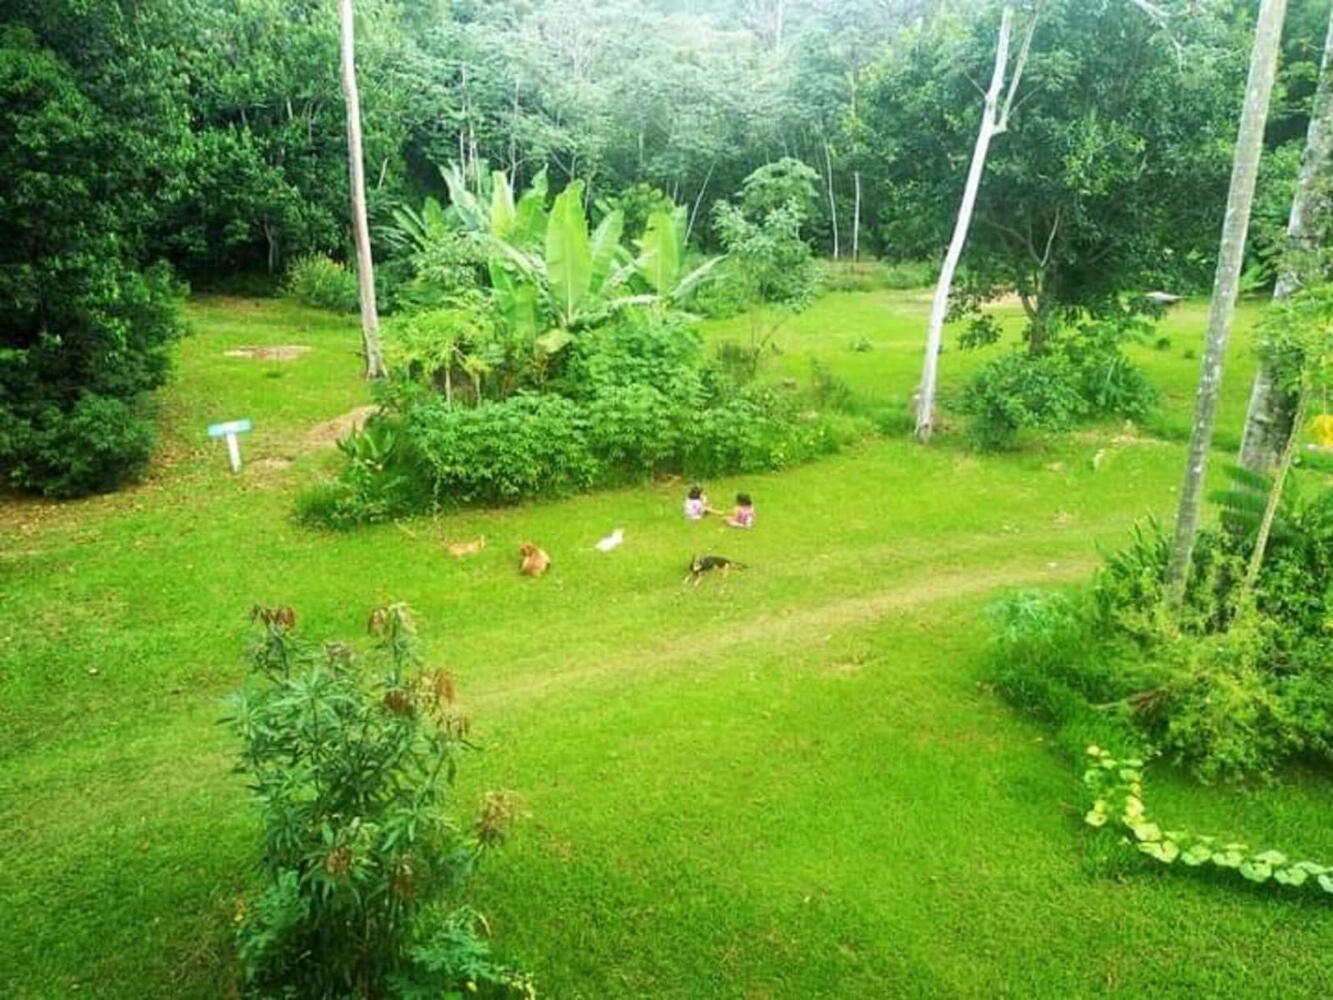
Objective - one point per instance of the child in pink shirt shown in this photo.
(743, 515)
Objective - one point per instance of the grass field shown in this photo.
(788, 783)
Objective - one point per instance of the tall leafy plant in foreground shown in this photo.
(352, 767)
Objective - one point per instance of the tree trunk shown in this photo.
(1230, 258)
(856, 216)
(1274, 497)
(365, 268)
(832, 202)
(1268, 421)
(925, 413)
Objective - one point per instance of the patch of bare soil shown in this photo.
(330, 432)
(276, 352)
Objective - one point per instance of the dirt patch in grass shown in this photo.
(330, 432)
(275, 352)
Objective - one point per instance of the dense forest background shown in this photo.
(221, 133)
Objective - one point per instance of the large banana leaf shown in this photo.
(529, 227)
(502, 205)
(568, 254)
(516, 300)
(605, 246)
(691, 281)
(463, 201)
(660, 251)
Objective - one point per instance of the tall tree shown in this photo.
(1269, 421)
(365, 268)
(1230, 259)
(994, 121)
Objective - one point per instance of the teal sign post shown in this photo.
(229, 431)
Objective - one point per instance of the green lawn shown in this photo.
(785, 784)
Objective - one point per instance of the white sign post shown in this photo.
(229, 431)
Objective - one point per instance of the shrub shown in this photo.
(352, 774)
(632, 397)
(1016, 391)
(322, 283)
(530, 445)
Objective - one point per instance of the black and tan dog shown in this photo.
(700, 565)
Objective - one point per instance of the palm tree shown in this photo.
(1231, 255)
(1269, 418)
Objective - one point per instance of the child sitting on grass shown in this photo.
(696, 504)
(743, 515)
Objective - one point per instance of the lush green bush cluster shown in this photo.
(323, 283)
(1085, 373)
(635, 397)
(352, 766)
(84, 333)
(1232, 684)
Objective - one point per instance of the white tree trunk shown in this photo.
(1230, 258)
(856, 216)
(832, 202)
(925, 402)
(365, 268)
(1269, 417)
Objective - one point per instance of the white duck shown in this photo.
(611, 541)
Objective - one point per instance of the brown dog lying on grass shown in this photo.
(534, 561)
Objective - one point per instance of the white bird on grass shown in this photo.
(611, 541)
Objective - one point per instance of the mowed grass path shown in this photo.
(789, 783)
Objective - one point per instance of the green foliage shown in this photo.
(1016, 391)
(1112, 175)
(84, 333)
(353, 776)
(1229, 685)
(529, 445)
(317, 281)
(770, 270)
(633, 397)
(1081, 373)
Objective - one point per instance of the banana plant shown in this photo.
(575, 275)
(661, 260)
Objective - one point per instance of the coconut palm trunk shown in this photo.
(1269, 419)
(365, 268)
(1231, 256)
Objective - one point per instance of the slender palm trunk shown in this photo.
(1268, 421)
(365, 268)
(1230, 258)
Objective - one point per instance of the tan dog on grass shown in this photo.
(460, 549)
(534, 562)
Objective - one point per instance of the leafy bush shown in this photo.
(529, 445)
(1016, 391)
(1231, 683)
(633, 397)
(323, 283)
(85, 333)
(352, 774)
(1079, 373)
